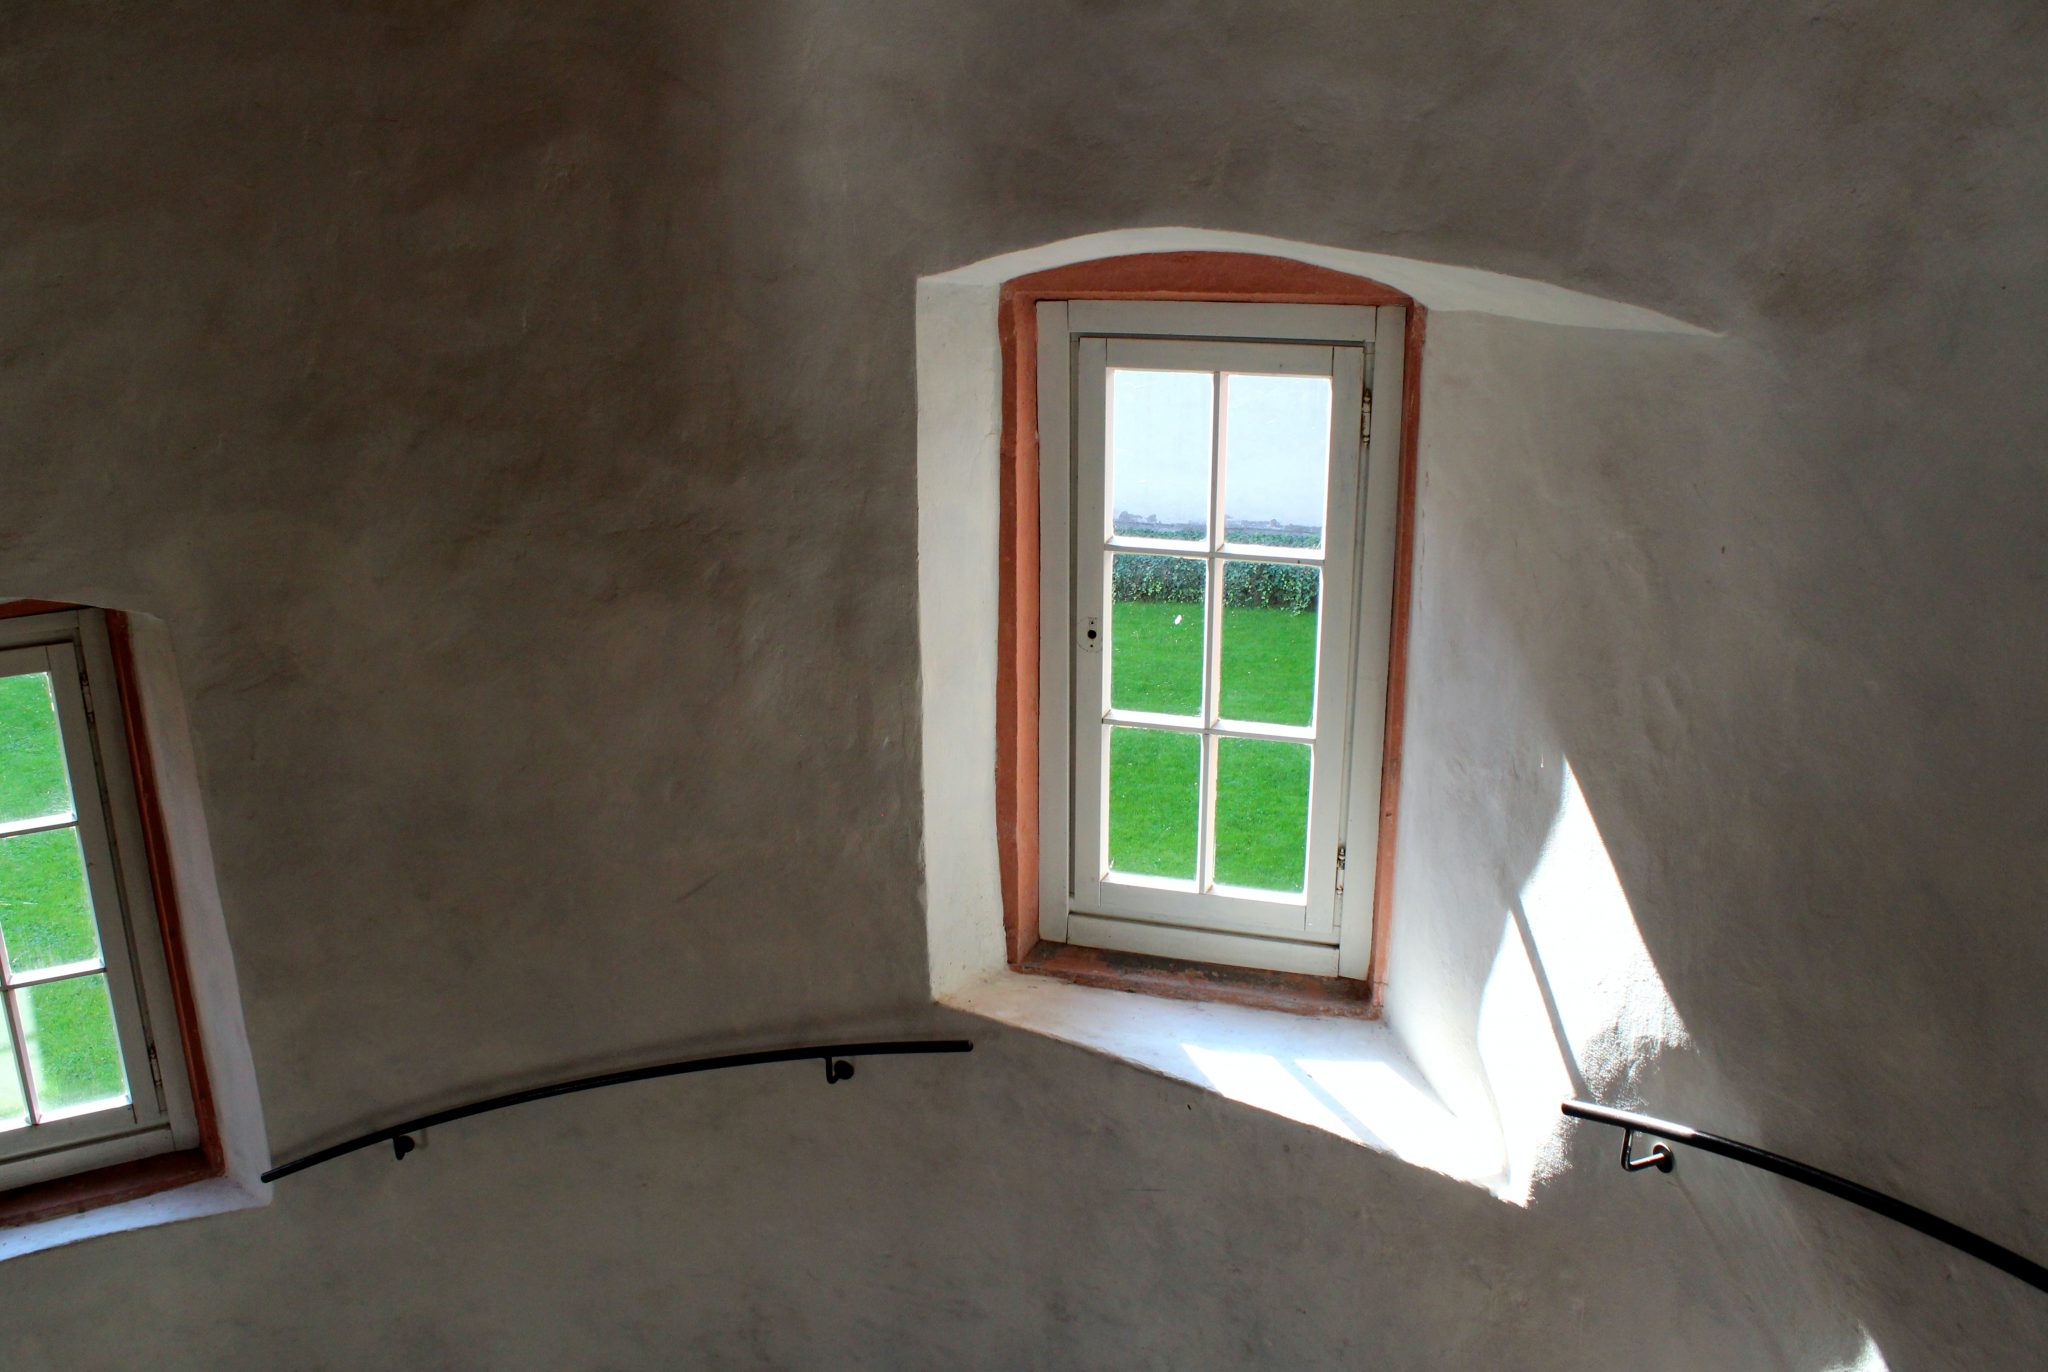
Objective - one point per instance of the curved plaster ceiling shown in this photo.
(1434, 284)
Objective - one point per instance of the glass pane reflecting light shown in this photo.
(1161, 431)
(45, 908)
(74, 1055)
(13, 1104)
(1276, 450)
(1219, 628)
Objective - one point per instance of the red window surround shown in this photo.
(1213, 276)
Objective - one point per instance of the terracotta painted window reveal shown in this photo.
(1199, 276)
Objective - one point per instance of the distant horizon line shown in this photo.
(1153, 521)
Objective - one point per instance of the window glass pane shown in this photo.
(13, 1104)
(74, 1054)
(1161, 426)
(33, 783)
(1155, 780)
(1155, 633)
(1276, 450)
(1261, 813)
(45, 908)
(1270, 613)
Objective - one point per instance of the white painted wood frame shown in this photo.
(72, 649)
(1326, 928)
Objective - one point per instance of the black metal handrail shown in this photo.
(1892, 1208)
(833, 1055)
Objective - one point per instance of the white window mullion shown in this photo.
(1212, 642)
(25, 827)
(1226, 728)
(23, 662)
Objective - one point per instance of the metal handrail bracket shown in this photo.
(1891, 1207)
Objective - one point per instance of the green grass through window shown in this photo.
(46, 914)
(32, 782)
(1262, 798)
(1154, 776)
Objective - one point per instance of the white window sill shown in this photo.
(1345, 1077)
(215, 1196)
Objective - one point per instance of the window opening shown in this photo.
(83, 978)
(1205, 523)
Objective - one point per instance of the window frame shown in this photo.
(1329, 934)
(1174, 275)
(167, 1136)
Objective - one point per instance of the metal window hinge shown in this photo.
(85, 693)
(156, 1072)
(1365, 421)
(1340, 869)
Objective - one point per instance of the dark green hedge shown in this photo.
(1265, 585)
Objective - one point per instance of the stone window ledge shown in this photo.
(216, 1196)
(1347, 1077)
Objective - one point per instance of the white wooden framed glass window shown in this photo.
(92, 1072)
(1217, 512)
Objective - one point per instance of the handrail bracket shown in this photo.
(1660, 1156)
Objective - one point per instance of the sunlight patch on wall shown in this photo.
(1525, 1068)
(1573, 1004)
(1406, 1119)
(1611, 1000)
(1870, 1358)
(1362, 1099)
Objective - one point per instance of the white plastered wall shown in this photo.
(512, 411)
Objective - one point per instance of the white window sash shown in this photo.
(76, 654)
(1320, 930)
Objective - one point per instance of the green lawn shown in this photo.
(1155, 660)
(1268, 675)
(1153, 779)
(32, 781)
(46, 915)
(1261, 813)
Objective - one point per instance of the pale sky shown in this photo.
(1276, 434)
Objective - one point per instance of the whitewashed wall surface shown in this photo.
(512, 413)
